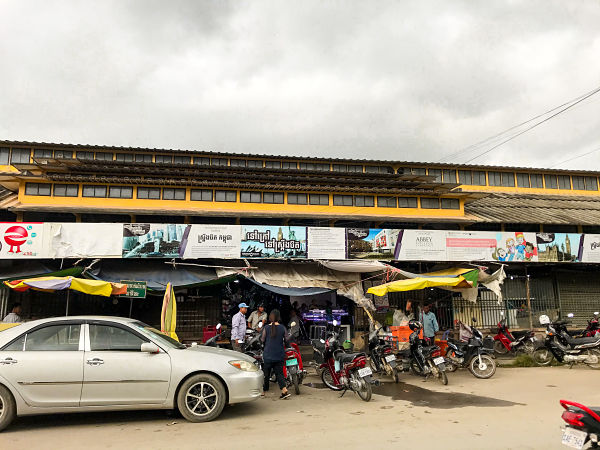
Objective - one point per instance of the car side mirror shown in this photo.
(149, 347)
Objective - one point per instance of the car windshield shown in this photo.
(157, 335)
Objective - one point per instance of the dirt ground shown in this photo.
(516, 409)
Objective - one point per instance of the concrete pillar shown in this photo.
(19, 216)
(77, 217)
(131, 218)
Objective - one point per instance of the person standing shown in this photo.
(294, 326)
(274, 337)
(256, 317)
(15, 314)
(238, 328)
(430, 325)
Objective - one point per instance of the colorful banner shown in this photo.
(326, 243)
(560, 247)
(273, 242)
(490, 246)
(371, 243)
(211, 241)
(152, 240)
(22, 240)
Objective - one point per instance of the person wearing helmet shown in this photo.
(415, 342)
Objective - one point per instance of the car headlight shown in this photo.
(244, 365)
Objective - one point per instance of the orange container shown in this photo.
(442, 344)
(403, 333)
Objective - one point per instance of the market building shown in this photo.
(86, 184)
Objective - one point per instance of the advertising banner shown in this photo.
(84, 240)
(490, 246)
(326, 243)
(152, 240)
(273, 242)
(560, 247)
(21, 240)
(371, 243)
(421, 245)
(211, 241)
(591, 248)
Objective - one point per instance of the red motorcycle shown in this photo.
(593, 327)
(342, 371)
(293, 371)
(506, 341)
(583, 425)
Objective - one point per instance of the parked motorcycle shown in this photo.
(593, 327)
(583, 425)
(565, 348)
(293, 370)
(381, 355)
(420, 358)
(341, 371)
(506, 341)
(474, 354)
(212, 342)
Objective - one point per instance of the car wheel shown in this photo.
(8, 409)
(201, 398)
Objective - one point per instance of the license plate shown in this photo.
(574, 438)
(439, 360)
(365, 372)
(390, 358)
(291, 362)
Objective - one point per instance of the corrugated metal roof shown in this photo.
(8, 198)
(285, 157)
(534, 209)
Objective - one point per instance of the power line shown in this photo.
(595, 91)
(575, 157)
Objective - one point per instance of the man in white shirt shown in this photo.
(238, 328)
(14, 315)
(257, 317)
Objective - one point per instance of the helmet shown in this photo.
(414, 325)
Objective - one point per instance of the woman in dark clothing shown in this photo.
(275, 337)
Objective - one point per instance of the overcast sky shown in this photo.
(359, 79)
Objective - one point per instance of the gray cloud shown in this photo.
(378, 79)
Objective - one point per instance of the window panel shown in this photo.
(537, 181)
(173, 194)
(364, 200)
(355, 168)
(437, 173)
(90, 190)
(289, 165)
(449, 175)
(250, 197)
(339, 168)
(591, 184)
(379, 169)
(38, 189)
(84, 155)
(418, 171)
(182, 159)
(321, 199)
(478, 178)
(66, 154)
(124, 157)
(343, 200)
(386, 202)
(578, 183)
(465, 177)
(163, 159)
(66, 190)
(407, 202)
(203, 195)
(143, 157)
(202, 161)
(20, 155)
(149, 193)
(42, 153)
(523, 180)
(430, 203)
(273, 197)
(218, 161)
(255, 163)
(120, 192)
(508, 179)
(551, 181)
(54, 338)
(226, 196)
(273, 164)
(297, 199)
(4, 155)
(238, 163)
(495, 178)
(107, 338)
(564, 182)
(450, 203)
(102, 156)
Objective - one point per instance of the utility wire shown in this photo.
(492, 138)
(575, 157)
(588, 95)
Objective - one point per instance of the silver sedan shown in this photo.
(77, 364)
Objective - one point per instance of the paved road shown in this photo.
(516, 409)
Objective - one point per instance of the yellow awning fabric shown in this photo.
(94, 287)
(453, 272)
(51, 284)
(413, 284)
(168, 316)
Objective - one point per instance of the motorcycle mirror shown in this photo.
(596, 313)
(292, 324)
(502, 313)
(570, 315)
(218, 326)
(335, 323)
(322, 341)
(260, 324)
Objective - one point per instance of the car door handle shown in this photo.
(8, 361)
(95, 361)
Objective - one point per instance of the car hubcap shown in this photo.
(201, 398)
(1, 407)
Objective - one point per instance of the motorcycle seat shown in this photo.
(582, 340)
(459, 344)
(518, 334)
(345, 358)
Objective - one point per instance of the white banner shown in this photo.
(591, 248)
(22, 240)
(84, 240)
(421, 245)
(212, 241)
(326, 243)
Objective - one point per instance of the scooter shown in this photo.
(506, 341)
(341, 371)
(565, 348)
(474, 354)
(421, 359)
(381, 356)
(593, 328)
(293, 370)
(583, 425)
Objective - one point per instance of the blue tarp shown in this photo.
(292, 292)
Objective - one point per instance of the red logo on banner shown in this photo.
(15, 237)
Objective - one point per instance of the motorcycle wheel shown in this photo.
(373, 365)
(542, 356)
(443, 377)
(527, 348)
(328, 380)
(365, 391)
(296, 383)
(488, 369)
(594, 352)
(415, 369)
(396, 375)
(450, 366)
(500, 348)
